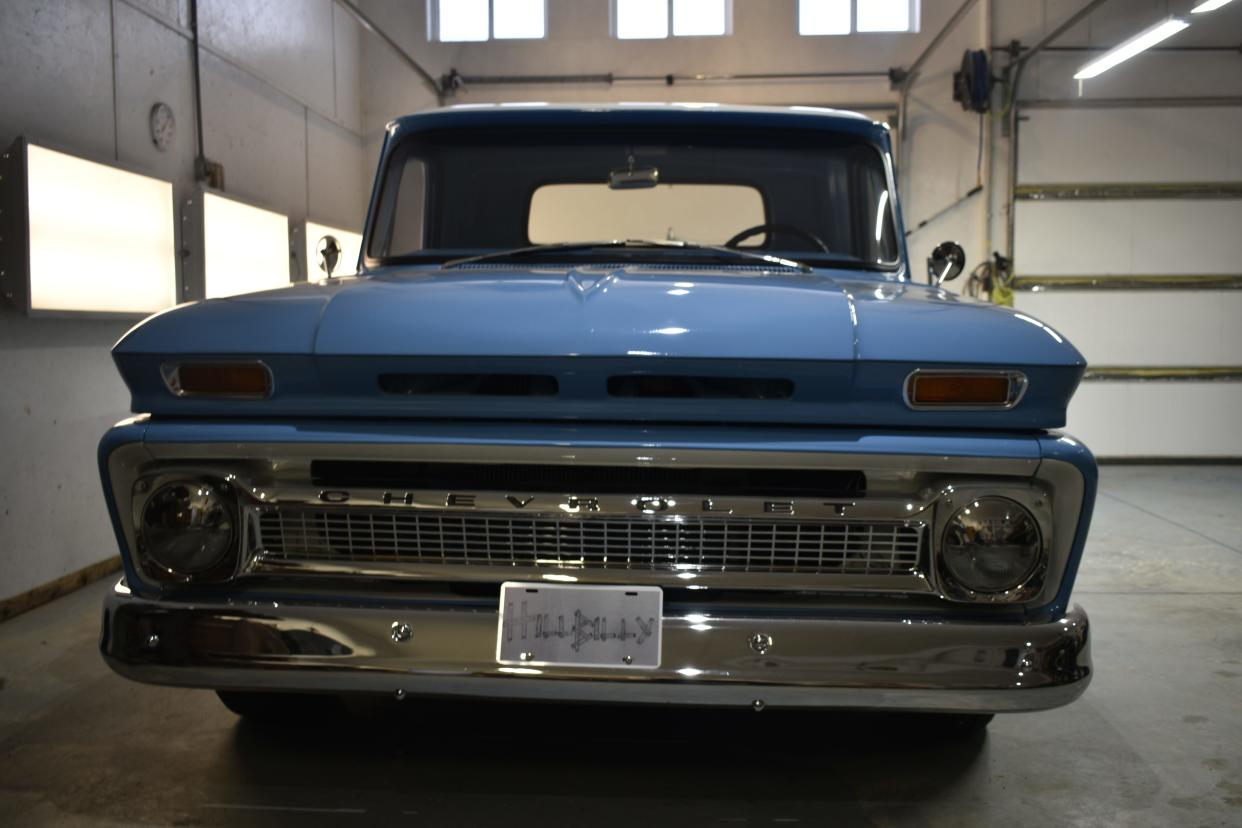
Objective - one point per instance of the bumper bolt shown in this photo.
(399, 694)
(760, 643)
(401, 632)
(757, 705)
(526, 655)
(627, 659)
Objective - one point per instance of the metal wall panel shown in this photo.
(1158, 419)
(1131, 145)
(1149, 328)
(1087, 238)
(1121, 237)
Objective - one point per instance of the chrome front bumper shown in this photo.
(962, 666)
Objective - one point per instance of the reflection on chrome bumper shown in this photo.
(813, 662)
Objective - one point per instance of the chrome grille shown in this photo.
(709, 544)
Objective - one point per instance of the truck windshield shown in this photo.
(452, 193)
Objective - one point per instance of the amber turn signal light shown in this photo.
(247, 380)
(937, 389)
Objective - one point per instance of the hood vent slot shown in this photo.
(587, 480)
(469, 385)
(651, 386)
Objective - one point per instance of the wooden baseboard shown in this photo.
(63, 585)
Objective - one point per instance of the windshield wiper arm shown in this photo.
(627, 243)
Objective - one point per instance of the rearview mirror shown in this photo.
(329, 250)
(633, 178)
(945, 263)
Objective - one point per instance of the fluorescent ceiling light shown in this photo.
(101, 239)
(351, 245)
(1210, 5)
(1139, 43)
(245, 248)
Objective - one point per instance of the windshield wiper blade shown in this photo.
(628, 243)
(535, 249)
(778, 261)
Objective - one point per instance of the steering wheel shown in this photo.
(791, 229)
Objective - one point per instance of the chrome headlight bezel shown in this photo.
(1035, 503)
(148, 490)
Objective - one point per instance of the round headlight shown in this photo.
(188, 526)
(991, 545)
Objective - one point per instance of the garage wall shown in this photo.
(283, 114)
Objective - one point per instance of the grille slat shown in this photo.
(710, 544)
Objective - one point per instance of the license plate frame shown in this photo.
(580, 625)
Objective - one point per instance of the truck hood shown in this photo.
(844, 341)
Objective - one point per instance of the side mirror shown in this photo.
(329, 250)
(945, 263)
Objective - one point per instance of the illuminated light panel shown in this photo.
(1210, 5)
(245, 248)
(101, 239)
(823, 17)
(351, 246)
(641, 19)
(1139, 43)
(960, 389)
(519, 19)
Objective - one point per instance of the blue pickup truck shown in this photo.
(624, 404)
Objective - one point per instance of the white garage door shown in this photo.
(1144, 274)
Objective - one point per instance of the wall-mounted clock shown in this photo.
(163, 126)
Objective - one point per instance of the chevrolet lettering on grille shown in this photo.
(576, 504)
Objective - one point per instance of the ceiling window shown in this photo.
(464, 21)
(886, 16)
(824, 17)
(841, 17)
(656, 19)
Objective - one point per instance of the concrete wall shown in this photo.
(282, 106)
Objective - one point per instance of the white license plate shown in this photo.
(549, 625)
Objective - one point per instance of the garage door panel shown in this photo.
(1158, 419)
(1144, 328)
(1130, 145)
(1057, 238)
(1087, 238)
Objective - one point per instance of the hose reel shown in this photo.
(972, 84)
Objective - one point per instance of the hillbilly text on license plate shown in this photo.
(579, 625)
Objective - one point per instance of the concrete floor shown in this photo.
(1157, 740)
